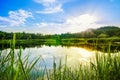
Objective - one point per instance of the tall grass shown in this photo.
(103, 67)
(15, 67)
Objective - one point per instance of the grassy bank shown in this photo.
(101, 43)
(15, 67)
(64, 41)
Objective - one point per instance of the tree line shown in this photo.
(102, 32)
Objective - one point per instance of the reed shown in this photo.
(13, 66)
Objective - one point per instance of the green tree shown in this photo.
(2, 35)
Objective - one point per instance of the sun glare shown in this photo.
(82, 22)
(82, 19)
(87, 19)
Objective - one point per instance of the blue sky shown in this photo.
(57, 16)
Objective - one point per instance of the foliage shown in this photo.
(15, 67)
(103, 67)
(109, 31)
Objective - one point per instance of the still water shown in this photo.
(75, 55)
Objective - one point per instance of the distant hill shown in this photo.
(108, 28)
(109, 31)
(102, 32)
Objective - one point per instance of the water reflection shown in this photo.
(75, 55)
(98, 47)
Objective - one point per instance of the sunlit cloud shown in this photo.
(50, 6)
(58, 16)
(81, 23)
(71, 24)
(3, 26)
(82, 19)
(16, 18)
(51, 9)
(48, 27)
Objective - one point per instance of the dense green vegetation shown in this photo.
(15, 67)
(103, 36)
(103, 67)
(103, 32)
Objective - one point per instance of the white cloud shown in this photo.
(82, 19)
(47, 28)
(16, 18)
(52, 9)
(42, 24)
(50, 6)
(72, 24)
(81, 23)
(3, 26)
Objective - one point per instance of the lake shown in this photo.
(75, 55)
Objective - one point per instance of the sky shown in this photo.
(57, 16)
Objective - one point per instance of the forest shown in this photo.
(102, 32)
